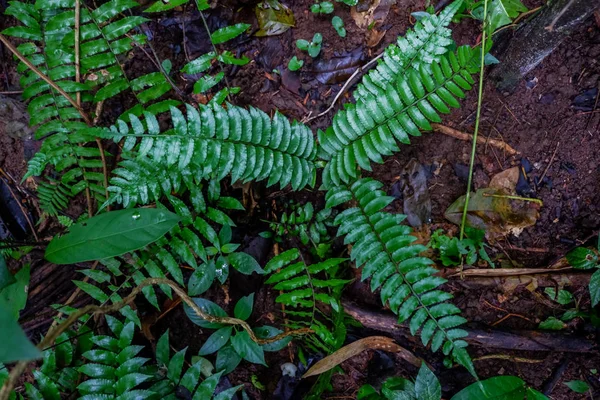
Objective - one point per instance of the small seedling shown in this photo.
(295, 64)
(325, 7)
(338, 25)
(313, 47)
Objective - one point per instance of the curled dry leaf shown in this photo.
(355, 348)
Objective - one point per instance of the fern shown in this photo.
(365, 131)
(54, 196)
(303, 222)
(214, 142)
(302, 292)
(384, 249)
(421, 46)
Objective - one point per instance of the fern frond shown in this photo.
(409, 286)
(365, 131)
(302, 291)
(420, 46)
(54, 196)
(214, 142)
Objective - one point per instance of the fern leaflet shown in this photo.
(214, 142)
(408, 283)
(422, 45)
(365, 131)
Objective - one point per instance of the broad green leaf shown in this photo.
(207, 307)
(14, 297)
(497, 388)
(227, 359)
(427, 386)
(207, 82)
(161, 5)
(110, 234)
(163, 350)
(582, 258)
(247, 348)
(578, 386)
(502, 12)
(176, 366)
(6, 278)
(243, 308)
(552, 324)
(245, 263)
(594, 287)
(533, 394)
(200, 64)
(564, 296)
(227, 33)
(15, 344)
(216, 341)
(207, 388)
(202, 279)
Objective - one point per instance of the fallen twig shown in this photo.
(521, 340)
(446, 130)
(358, 71)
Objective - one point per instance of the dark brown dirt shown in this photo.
(537, 119)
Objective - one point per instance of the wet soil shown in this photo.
(560, 142)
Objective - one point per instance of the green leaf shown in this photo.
(110, 234)
(552, 324)
(15, 344)
(161, 6)
(216, 341)
(502, 12)
(208, 386)
(200, 64)
(227, 33)
(14, 297)
(227, 359)
(582, 258)
(338, 25)
(533, 394)
(163, 350)
(497, 388)
(578, 386)
(594, 287)
(564, 296)
(244, 263)
(247, 348)
(294, 64)
(243, 308)
(207, 307)
(176, 366)
(202, 279)
(6, 278)
(427, 386)
(207, 82)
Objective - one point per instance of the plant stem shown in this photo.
(477, 120)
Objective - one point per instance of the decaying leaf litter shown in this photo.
(545, 122)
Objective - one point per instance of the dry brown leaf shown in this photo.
(372, 342)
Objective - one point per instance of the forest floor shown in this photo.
(556, 134)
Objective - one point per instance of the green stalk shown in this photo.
(474, 146)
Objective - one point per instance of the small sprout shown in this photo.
(338, 25)
(295, 64)
(313, 47)
(325, 7)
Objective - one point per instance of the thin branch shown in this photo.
(356, 73)
(446, 130)
(20, 367)
(39, 73)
